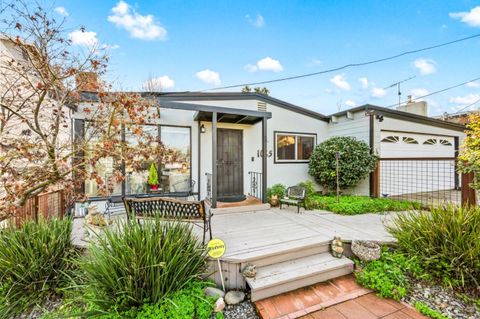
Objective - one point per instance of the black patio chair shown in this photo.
(295, 197)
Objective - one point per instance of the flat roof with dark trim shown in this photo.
(401, 115)
(218, 96)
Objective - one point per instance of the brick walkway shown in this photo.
(341, 298)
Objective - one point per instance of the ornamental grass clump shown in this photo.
(446, 240)
(34, 263)
(141, 263)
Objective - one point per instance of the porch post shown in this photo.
(264, 159)
(214, 159)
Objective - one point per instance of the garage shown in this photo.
(417, 166)
(402, 144)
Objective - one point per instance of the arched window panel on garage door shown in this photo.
(445, 142)
(430, 141)
(409, 140)
(391, 139)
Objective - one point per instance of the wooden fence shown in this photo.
(46, 205)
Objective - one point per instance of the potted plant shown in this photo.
(153, 178)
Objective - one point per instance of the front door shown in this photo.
(229, 163)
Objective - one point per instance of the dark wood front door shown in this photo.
(229, 163)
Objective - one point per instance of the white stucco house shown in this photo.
(223, 136)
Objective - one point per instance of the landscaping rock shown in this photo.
(441, 299)
(219, 305)
(234, 297)
(366, 250)
(214, 292)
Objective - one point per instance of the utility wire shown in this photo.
(436, 92)
(345, 66)
(465, 107)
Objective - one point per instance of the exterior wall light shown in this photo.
(202, 129)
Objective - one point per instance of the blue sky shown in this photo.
(196, 45)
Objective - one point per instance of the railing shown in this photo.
(429, 181)
(209, 186)
(46, 205)
(255, 184)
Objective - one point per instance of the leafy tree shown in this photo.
(40, 80)
(262, 90)
(355, 162)
(470, 153)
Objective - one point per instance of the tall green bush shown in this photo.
(446, 240)
(141, 262)
(355, 162)
(34, 263)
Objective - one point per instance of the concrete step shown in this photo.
(285, 251)
(289, 275)
(240, 209)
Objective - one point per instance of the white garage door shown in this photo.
(416, 163)
(399, 144)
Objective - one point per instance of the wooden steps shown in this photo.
(282, 273)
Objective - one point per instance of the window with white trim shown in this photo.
(294, 147)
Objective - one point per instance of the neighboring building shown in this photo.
(459, 118)
(290, 133)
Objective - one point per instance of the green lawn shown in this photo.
(354, 205)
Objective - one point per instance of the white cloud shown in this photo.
(364, 82)
(109, 46)
(350, 103)
(465, 100)
(61, 11)
(209, 76)
(425, 66)
(472, 17)
(258, 21)
(83, 38)
(161, 82)
(474, 84)
(265, 64)
(378, 92)
(139, 26)
(416, 93)
(340, 82)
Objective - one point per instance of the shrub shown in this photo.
(355, 162)
(189, 302)
(445, 239)
(310, 191)
(470, 151)
(354, 205)
(141, 262)
(277, 190)
(429, 312)
(34, 263)
(388, 275)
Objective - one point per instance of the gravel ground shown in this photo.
(443, 300)
(243, 310)
(50, 304)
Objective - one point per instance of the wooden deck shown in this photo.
(271, 236)
(263, 237)
(249, 234)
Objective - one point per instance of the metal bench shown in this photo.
(114, 205)
(169, 209)
(295, 196)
